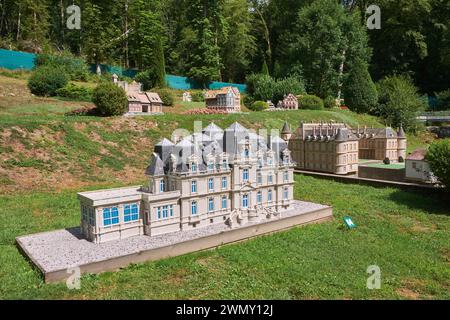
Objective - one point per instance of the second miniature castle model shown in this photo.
(230, 176)
(336, 148)
(225, 99)
(139, 101)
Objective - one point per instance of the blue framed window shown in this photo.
(224, 164)
(286, 194)
(269, 195)
(210, 204)
(245, 175)
(286, 176)
(210, 184)
(130, 212)
(194, 186)
(224, 182)
(270, 178)
(245, 201)
(224, 202)
(210, 166)
(110, 216)
(259, 178)
(158, 212)
(270, 161)
(193, 167)
(91, 216)
(171, 210)
(162, 186)
(246, 152)
(165, 211)
(259, 197)
(193, 208)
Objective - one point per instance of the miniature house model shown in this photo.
(226, 99)
(139, 101)
(289, 102)
(187, 97)
(230, 176)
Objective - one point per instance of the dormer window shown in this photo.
(210, 166)
(193, 167)
(224, 164)
(162, 186)
(246, 152)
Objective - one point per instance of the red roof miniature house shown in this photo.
(226, 99)
(289, 102)
(139, 101)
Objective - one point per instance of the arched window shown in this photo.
(193, 167)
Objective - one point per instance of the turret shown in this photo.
(286, 132)
(401, 143)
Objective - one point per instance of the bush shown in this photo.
(292, 84)
(166, 96)
(260, 87)
(197, 96)
(438, 157)
(399, 102)
(310, 102)
(258, 106)
(386, 161)
(443, 100)
(75, 68)
(46, 80)
(147, 78)
(329, 102)
(74, 92)
(110, 99)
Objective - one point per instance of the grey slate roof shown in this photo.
(156, 167)
(286, 128)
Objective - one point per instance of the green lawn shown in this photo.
(404, 233)
(387, 166)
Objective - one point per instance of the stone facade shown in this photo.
(139, 101)
(289, 101)
(230, 176)
(226, 99)
(336, 148)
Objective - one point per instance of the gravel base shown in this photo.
(66, 248)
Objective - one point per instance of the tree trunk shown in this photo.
(18, 25)
(127, 62)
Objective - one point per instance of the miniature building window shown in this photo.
(245, 175)
(130, 212)
(193, 167)
(269, 195)
(259, 178)
(285, 176)
(224, 182)
(162, 186)
(270, 178)
(171, 210)
(210, 184)
(193, 208)
(260, 163)
(286, 194)
(91, 217)
(224, 164)
(210, 166)
(246, 153)
(84, 212)
(224, 202)
(165, 211)
(270, 161)
(259, 197)
(194, 186)
(245, 201)
(110, 216)
(210, 204)
(158, 212)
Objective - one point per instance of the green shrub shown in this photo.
(438, 157)
(110, 99)
(197, 96)
(285, 86)
(75, 68)
(258, 106)
(329, 102)
(46, 80)
(166, 96)
(310, 102)
(443, 100)
(74, 92)
(260, 87)
(147, 78)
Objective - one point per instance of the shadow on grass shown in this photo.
(431, 202)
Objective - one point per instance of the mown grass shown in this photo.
(404, 233)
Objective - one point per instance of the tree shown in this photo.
(438, 157)
(360, 93)
(399, 102)
(109, 99)
(310, 102)
(265, 69)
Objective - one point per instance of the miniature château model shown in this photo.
(139, 102)
(289, 102)
(230, 176)
(336, 148)
(226, 99)
(187, 97)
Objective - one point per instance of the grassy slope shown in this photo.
(405, 234)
